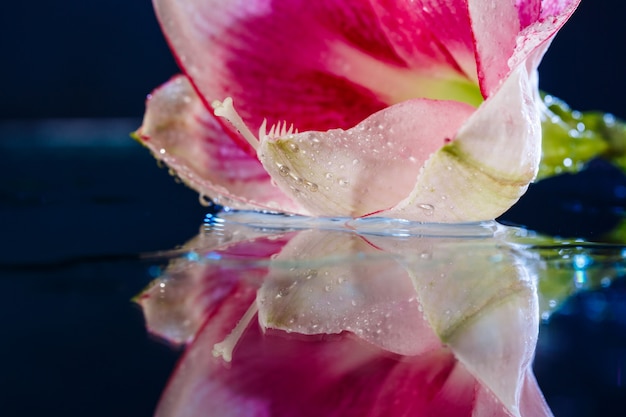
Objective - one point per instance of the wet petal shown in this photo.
(488, 315)
(430, 35)
(524, 30)
(194, 286)
(282, 375)
(368, 168)
(488, 166)
(282, 60)
(373, 297)
(181, 132)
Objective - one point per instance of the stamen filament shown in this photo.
(225, 347)
(226, 110)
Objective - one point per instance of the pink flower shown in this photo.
(425, 110)
(334, 323)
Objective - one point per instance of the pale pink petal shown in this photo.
(488, 314)
(495, 26)
(179, 131)
(373, 297)
(532, 402)
(520, 29)
(488, 166)
(533, 41)
(179, 302)
(368, 168)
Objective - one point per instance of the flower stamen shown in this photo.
(225, 347)
(226, 110)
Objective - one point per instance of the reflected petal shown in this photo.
(437, 323)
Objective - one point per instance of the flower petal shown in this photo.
(430, 34)
(524, 30)
(179, 131)
(489, 319)
(368, 297)
(488, 166)
(365, 169)
(279, 60)
(179, 302)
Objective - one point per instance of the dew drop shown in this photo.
(293, 147)
(328, 288)
(428, 209)
(283, 170)
(343, 182)
(162, 151)
(355, 161)
(204, 200)
(311, 186)
(328, 176)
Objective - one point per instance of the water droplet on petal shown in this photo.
(283, 170)
(311, 186)
(428, 209)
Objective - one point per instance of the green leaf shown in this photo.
(572, 138)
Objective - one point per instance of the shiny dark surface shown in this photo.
(78, 215)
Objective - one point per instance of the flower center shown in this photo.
(397, 84)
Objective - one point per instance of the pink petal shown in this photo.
(536, 36)
(489, 319)
(178, 303)
(431, 34)
(179, 131)
(368, 168)
(275, 58)
(488, 166)
(372, 298)
(495, 26)
(522, 29)
(281, 375)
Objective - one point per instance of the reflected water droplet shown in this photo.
(204, 200)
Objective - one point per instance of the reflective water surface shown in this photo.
(386, 316)
(278, 314)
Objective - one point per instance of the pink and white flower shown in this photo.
(425, 110)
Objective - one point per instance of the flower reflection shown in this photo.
(332, 321)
